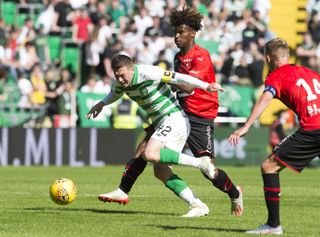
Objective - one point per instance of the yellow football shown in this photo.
(63, 191)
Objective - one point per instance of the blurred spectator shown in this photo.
(155, 7)
(131, 40)
(105, 69)
(277, 130)
(263, 7)
(241, 73)
(104, 85)
(7, 60)
(162, 61)
(76, 4)
(27, 57)
(39, 86)
(305, 50)
(27, 33)
(81, 26)
(313, 6)
(46, 17)
(96, 11)
(25, 89)
(252, 32)
(146, 54)
(143, 21)
(3, 81)
(54, 89)
(67, 104)
(3, 35)
(62, 18)
(117, 13)
(314, 27)
(256, 67)
(104, 34)
(91, 86)
(126, 114)
(42, 49)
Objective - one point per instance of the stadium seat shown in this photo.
(8, 11)
(71, 54)
(54, 42)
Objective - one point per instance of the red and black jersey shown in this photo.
(197, 63)
(298, 88)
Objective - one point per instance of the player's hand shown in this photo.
(215, 87)
(95, 110)
(235, 136)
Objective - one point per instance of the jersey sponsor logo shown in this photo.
(193, 72)
(143, 91)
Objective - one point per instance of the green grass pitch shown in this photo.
(27, 210)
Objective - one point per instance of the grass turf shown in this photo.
(26, 208)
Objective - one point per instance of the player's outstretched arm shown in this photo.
(257, 110)
(183, 79)
(97, 108)
(215, 87)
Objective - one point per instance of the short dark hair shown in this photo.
(121, 60)
(186, 16)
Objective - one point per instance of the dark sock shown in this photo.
(224, 183)
(133, 169)
(272, 197)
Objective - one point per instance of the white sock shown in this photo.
(188, 196)
(189, 160)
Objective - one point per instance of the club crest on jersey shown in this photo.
(143, 91)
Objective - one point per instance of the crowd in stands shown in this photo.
(308, 52)
(234, 32)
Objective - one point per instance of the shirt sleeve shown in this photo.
(272, 85)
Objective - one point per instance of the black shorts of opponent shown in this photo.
(296, 151)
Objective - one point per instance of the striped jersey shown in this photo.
(149, 90)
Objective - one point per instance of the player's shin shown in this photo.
(134, 168)
(181, 189)
(272, 197)
(224, 183)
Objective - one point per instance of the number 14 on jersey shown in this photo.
(311, 96)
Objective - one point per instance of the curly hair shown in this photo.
(187, 16)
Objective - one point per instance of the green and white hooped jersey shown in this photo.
(149, 90)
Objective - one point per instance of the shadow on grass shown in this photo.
(99, 211)
(167, 227)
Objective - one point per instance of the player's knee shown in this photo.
(267, 167)
(150, 155)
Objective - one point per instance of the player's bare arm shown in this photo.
(97, 108)
(258, 108)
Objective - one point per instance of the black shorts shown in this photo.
(299, 149)
(200, 139)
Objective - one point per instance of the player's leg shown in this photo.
(270, 169)
(174, 127)
(294, 152)
(178, 131)
(201, 143)
(133, 169)
(180, 188)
